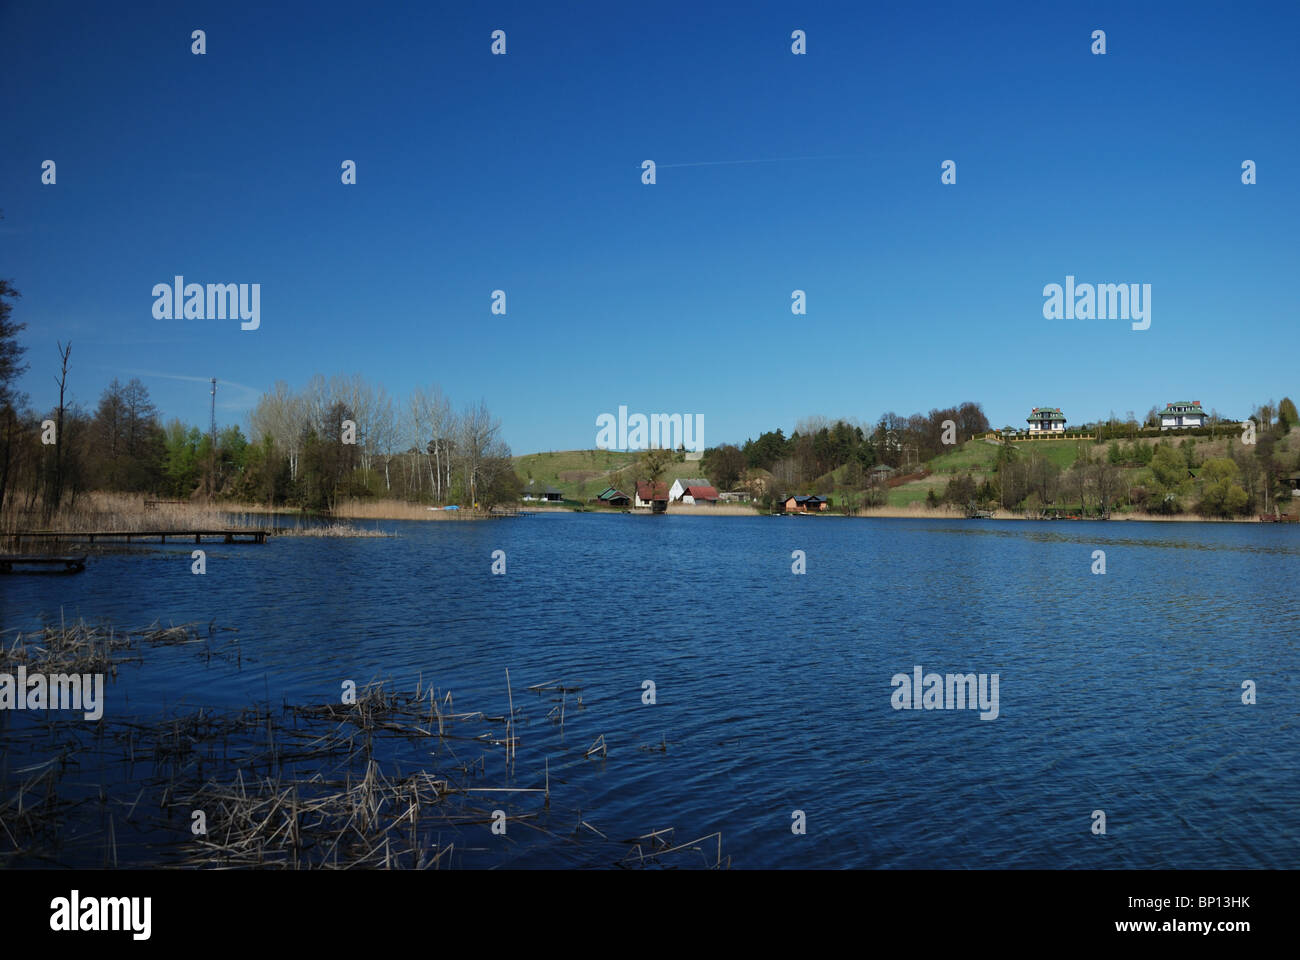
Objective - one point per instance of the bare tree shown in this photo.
(479, 432)
(431, 427)
(54, 496)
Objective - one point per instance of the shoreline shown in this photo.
(116, 511)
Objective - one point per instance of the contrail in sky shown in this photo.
(251, 393)
(718, 163)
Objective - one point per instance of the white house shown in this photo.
(678, 489)
(1046, 420)
(1182, 414)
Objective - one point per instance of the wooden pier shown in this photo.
(236, 535)
(41, 560)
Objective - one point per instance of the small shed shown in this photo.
(614, 498)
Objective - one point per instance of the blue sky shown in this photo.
(478, 172)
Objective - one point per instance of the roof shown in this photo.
(609, 493)
(693, 482)
(804, 498)
(701, 492)
(1045, 413)
(1183, 406)
(643, 490)
(553, 490)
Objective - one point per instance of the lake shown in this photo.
(1119, 692)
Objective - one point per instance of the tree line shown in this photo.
(775, 465)
(334, 438)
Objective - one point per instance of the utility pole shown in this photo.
(212, 441)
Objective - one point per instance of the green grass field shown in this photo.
(973, 455)
(582, 474)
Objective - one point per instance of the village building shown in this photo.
(531, 492)
(651, 495)
(694, 495)
(1182, 414)
(735, 496)
(1046, 420)
(678, 489)
(806, 504)
(613, 498)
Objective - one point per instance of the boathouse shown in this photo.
(806, 504)
(652, 495)
(613, 498)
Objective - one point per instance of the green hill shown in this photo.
(582, 474)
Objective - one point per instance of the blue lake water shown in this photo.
(1119, 692)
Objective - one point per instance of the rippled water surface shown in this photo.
(1119, 692)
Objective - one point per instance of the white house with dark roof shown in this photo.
(1182, 413)
(1046, 420)
(678, 489)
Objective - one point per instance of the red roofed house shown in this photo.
(678, 489)
(654, 496)
(693, 494)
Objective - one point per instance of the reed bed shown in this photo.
(354, 509)
(75, 648)
(297, 788)
(82, 647)
(391, 779)
(108, 512)
(345, 530)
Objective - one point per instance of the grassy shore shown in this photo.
(112, 512)
(107, 512)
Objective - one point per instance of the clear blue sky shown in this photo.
(522, 172)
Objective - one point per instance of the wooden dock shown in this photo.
(41, 560)
(236, 535)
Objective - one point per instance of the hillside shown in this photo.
(977, 457)
(582, 474)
